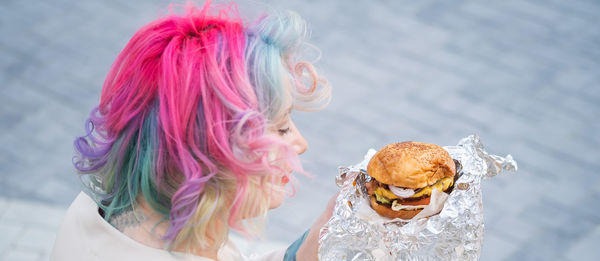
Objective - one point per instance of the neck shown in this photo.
(151, 226)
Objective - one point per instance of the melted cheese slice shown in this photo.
(380, 191)
(441, 185)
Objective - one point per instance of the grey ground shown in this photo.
(524, 75)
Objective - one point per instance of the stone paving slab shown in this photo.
(28, 229)
(522, 74)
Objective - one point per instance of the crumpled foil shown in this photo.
(456, 233)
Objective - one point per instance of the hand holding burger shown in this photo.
(404, 176)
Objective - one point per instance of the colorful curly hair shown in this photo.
(183, 116)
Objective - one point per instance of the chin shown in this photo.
(275, 205)
(277, 198)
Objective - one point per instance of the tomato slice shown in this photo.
(423, 201)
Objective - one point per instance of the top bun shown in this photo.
(411, 164)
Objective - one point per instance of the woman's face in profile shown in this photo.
(285, 129)
(292, 136)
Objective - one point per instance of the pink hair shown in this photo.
(183, 105)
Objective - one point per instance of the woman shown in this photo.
(192, 138)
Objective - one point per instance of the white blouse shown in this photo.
(85, 235)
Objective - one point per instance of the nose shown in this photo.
(299, 144)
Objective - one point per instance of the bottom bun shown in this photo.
(388, 212)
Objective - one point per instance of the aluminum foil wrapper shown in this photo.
(456, 233)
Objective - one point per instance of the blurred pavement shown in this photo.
(525, 75)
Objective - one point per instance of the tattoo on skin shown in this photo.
(127, 218)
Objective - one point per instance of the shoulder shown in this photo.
(85, 235)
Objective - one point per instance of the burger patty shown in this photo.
(384, 196)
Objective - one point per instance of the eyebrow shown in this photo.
(288, 112)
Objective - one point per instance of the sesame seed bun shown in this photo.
(411, 164)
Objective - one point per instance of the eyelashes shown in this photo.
(283, 131)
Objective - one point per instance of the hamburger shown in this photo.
(403, 176)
